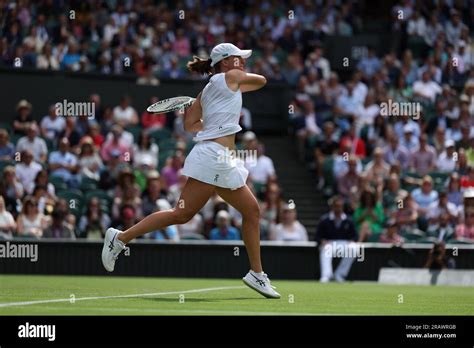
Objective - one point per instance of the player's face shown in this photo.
(236, 62)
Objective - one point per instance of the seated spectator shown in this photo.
(7, 149)
(70, 131)
(172, 169)
(59, 228)
(12, 189)
(354, 142)
(23, 119)
(465, 230)
(370, 64)
(391, 193)
(153, 121)
(335, 230)
(442, 205)
(42, 180)
(152, 193)
(223, 229)
(424, 196)
(409, 141)
(407, 215)
(52, 124)
(127, 218)
(270, 210)
(468, 180)
(126, 178)
(454, 190)
(462, 164)
(377, 170)
(130, 197)
(124, 114)
(446, 162)
(169, 232)
(63, 204)
(341, 162)
(45, 203)
(31, 222)
(116, 144)
(145, 151)
(27, 170)
(348, 181)
(7, 222)
(94, 133)
(63, 164)
(426, 88)
(260, 166)
(442, 229)
(390, 235)
(394, 152)
(327, 145)
(34, 143)
(423, 160)
(289, 229)
(90, 163)
(369, 217)
(95, 222)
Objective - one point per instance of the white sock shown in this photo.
(258, 273)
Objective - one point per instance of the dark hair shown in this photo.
(199, 65)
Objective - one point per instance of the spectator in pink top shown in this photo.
(115, 143)
(466, 230)
(171, 171)
(181, 45)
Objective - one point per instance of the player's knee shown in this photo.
(253, 212)
(183, 216)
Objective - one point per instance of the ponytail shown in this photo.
(199, 65)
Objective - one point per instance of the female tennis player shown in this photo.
(214, 115)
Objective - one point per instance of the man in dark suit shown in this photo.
(335, 235)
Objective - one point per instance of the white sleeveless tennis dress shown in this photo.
(208, 161)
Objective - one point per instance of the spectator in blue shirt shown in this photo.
(71, 59)
(64, 164)
(7, 149)
(223, 230)
(370, 64)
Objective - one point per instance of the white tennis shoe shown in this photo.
(112, 248)
(261, 284)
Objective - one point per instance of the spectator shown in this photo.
(223, 230)
(171, 170)
(370, 64)
(95, 222)
(426, 88)
(391, 193)
(124, 114)
(27, 170)
(31, 222)
(466, 230)
(441, 206)
(454, 190)
(52, 124)
(129, 197)
(446, 162)
(468, 179)
(42, 180)
(442, 230)
(33, 143)
(70, 131)
(349, 181)
(152, 121)
(335, 230)
(390, 235)
(145, 151)
(289, 229)
(23, 119)
(424, 196)
(407, 215)
(174, 191)
(64, 164)
(152, 193)
(116, 144)
(270, 210)
(369, 217)
(396, 153)
(423, 160)
(437, 258)
(7, 222)
(89, 161)
(59, 228)
(7, 149)
(259, 165)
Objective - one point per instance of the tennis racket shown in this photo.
(171, 104)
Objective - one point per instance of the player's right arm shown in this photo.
(247, 82)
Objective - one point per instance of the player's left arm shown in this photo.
(193, 116)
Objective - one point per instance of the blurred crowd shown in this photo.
(401, 173)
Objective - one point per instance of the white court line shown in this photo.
(27, 303)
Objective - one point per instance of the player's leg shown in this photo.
(245, 202)
(193, 197)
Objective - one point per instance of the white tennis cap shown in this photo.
(225, 50)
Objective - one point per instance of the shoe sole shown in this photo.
(260, 292)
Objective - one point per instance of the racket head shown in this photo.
(171, 104)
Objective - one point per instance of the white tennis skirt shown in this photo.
(214, 164)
